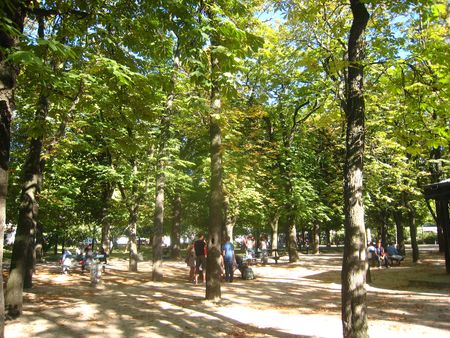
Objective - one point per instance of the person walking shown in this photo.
(228, 259)
(263, 245)
(200, 257)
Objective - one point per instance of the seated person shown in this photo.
(393, 253)
(381, 256)
(370, 250)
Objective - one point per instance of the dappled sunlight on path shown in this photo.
(285, 300)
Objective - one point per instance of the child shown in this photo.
(190, 261)
(66, 261)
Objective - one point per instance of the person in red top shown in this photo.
(200, 257)
(380, 255)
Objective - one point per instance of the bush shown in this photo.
(427, 238)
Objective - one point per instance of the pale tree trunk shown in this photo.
(176, 228)
(292, 236)
(230, 218)
(354, 265)
(316, 238)
(161, 177)
(413, 233)
(105, 216)
(274, 218)
(23, 255)
(133, 203)
(132, 241)
(157, 274)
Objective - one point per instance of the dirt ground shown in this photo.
(285, 300)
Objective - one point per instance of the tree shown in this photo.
(354, 265)
(10, 29)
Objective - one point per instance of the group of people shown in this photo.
(83, 256)
(381, 256)
(196, 259)
(229, 262)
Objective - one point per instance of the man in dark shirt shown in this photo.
(200, 257)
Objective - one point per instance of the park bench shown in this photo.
(275, 254)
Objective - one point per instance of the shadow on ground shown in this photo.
(284, 301)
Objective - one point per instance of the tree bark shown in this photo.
(132, 241)
(274, 218)
(383, 227)
(105, 216)
(176, 227)
(213, 271)
(413, 232)
(216, 203)
(328, 237)
(230, 218)
(23, 255)
(292, 236)
(161, 177)
(157, 274)
(398, 217)
(354, 265)
(15, 12)
(436, 176)
(316, 238)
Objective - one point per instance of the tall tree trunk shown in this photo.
(161, 177)
(4, 160)
(354, 265)
(292, 236)
(55, 246)
(133, 203)
(436, 176)
(213, 270)
(23, 257)
(230, 218)
(216, 203)
(105, 216)
(398, 217)
(15, 11)
(413, 232)
(316, 238)
(382, 233)
(273, 222)
(176, 228)
(328, 237)
(132, 241)
(157, 274)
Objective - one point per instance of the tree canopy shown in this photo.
(128, 100)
